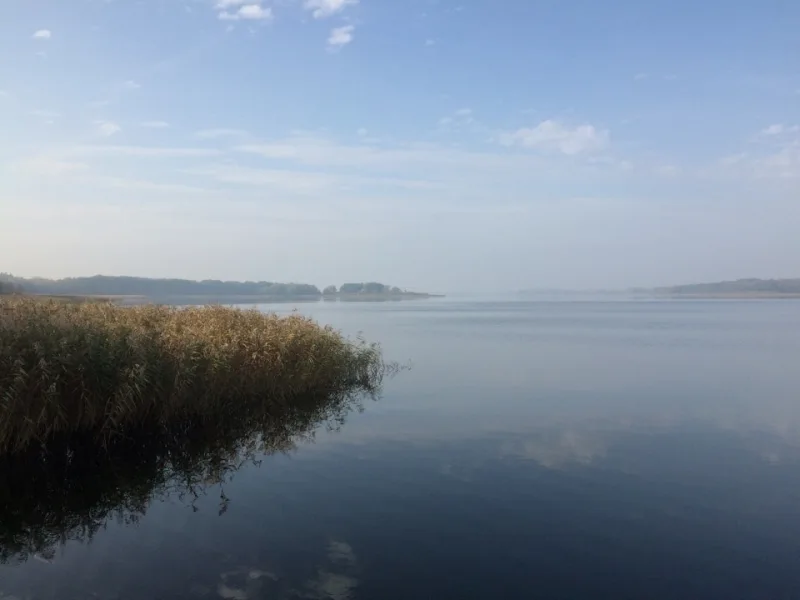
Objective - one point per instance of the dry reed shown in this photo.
(102, 370)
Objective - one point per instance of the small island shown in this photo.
(371, 292)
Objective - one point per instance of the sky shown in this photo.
(437, 145)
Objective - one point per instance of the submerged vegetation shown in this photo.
(102, 372)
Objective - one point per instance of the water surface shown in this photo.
(534, 449)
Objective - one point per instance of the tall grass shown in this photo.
(105, 371)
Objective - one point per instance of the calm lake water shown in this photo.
(533, 450)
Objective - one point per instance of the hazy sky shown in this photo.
(442, 145)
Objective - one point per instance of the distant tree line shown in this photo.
(7, 287)
(760, 286)
(166, 289)
(371, 287)
(101, 285)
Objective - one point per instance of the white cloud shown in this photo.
(460, 119)
(325, 8)
(44, 114)
(784, 164)
(316, 151)
(341, 36)
(130, 85)
(302, 181)
(144, 185)
(780, 129)
(296, 182)
(43, 34)
(455, 171)
(48, 166)
(142, 151)
(221, 132)
(668, 170)
(552, 136)
(107, 128)
(247, 12)
(781, 163)
(154, 124)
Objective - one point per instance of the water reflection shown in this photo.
(576, 451)
(336, 579)
(48, 498)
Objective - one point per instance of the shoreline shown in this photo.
(135, 300)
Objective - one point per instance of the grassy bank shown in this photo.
(101, 371)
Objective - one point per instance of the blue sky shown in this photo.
(444, 145)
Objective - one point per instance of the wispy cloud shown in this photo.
(780, 129)
(107, 128)
(43, 34)
(340, 36)
(296, 182)
(246, 12)
(462, 117)
(101, 150)
(442, 160)
(154, 124)
(554, 136)
(219, 133)
(115, 92)
(44, 114)
(303, 181)
(325, 8)
(144, 185)
(776, 157)
(667, 170)
(48, 166)
(783, 164)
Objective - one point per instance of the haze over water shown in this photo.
(534, 449)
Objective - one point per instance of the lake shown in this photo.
(564, 449)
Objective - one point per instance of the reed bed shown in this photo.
(103, 371)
